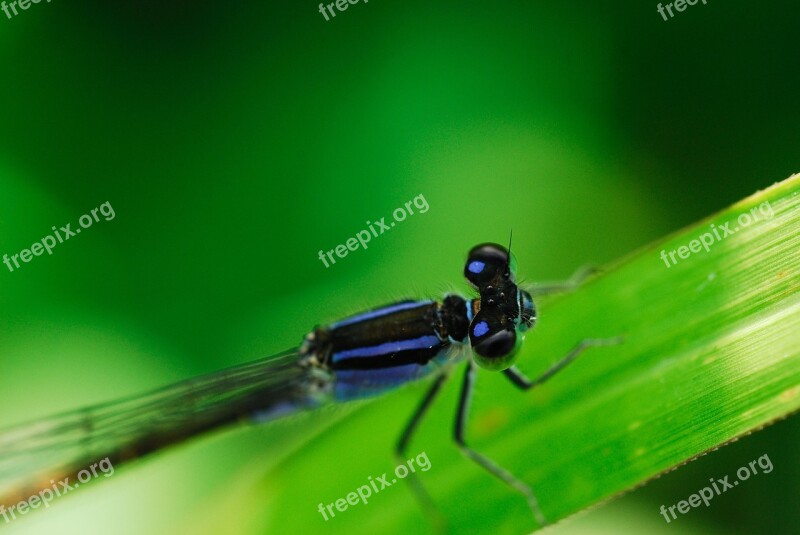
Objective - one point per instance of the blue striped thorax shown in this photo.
(388, 346)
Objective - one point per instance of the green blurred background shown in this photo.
(234, 141)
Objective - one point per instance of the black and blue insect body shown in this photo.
(361, 356)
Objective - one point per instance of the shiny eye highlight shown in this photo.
(476, 267)
(494, 341)
(480, 329)
(488, 264)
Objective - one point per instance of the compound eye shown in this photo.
(494, 343)
(487, 264)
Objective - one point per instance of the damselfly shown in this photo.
(360, 356)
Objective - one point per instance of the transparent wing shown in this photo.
(33, 454)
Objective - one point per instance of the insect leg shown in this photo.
(402, 444)
(485, 462)
(522, 382)
(568, 285)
